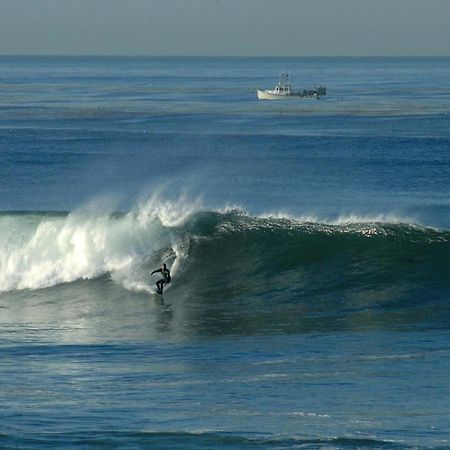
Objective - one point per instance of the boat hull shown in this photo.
(267, 95)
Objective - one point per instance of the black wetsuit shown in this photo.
(163, 281)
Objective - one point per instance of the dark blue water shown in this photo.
(308, 242)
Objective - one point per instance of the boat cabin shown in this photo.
(283, 87)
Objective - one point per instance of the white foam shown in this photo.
(341, 220)
(39, 251)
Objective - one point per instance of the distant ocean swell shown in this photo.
(200, 440)
(219, 251)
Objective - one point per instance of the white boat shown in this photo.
(283, 90)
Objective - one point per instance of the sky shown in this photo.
(225, 27)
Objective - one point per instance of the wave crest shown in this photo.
(39, 250)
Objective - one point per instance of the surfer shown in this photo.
(164, 280)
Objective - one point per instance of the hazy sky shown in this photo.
(225, 27)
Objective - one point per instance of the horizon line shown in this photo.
(111, 55)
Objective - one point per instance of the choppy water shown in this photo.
(308, 243)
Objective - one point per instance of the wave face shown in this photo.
(348, 265)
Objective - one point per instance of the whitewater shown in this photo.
(40, 250)
(308, 245)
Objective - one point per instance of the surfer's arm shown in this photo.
(156, 271)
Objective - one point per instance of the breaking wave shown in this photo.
(219, 251)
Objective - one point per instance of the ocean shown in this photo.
(308, 242)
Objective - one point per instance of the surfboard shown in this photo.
(156, 298)
(156, 294)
